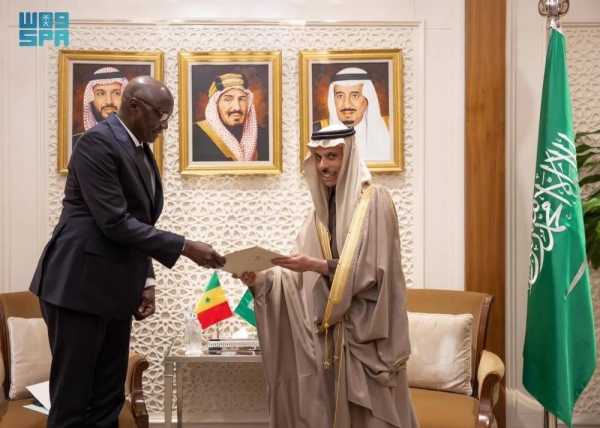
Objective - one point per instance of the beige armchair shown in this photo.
(12, 414)
(441, 409)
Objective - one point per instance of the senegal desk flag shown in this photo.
(559, 355)
(213, 306)
(245, 309)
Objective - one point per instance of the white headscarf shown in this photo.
(106, 76)
(243, 150)
(372, 134)
(354, 177)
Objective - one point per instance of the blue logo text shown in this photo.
(37, 28)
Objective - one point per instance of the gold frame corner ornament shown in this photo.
(186, 166)
(65, 58)
(306, 57)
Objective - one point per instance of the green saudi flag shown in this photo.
(245, 309)
(560, 345)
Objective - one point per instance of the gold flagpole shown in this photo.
(552, 10)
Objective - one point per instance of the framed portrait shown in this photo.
(229, 113)
(362, 89)
(90, 85)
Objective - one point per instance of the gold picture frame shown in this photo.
(230, 132)
(76, 113)
(377, 73)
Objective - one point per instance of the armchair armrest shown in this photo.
(2, 378)
(133, 386)
(489, 373)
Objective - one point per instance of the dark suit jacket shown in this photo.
(74, 140)
(98, 258)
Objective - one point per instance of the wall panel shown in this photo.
(484, 164)
(235, 212)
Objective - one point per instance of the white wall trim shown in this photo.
(43, 232)
(457, 234)
(4, 152)
(419, 169)
(283, 22)
(41, 170)
(573, 24)
(512, 346)
(577, 24)
(566, 23)
(241, 23)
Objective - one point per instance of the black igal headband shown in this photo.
(356, 76)
(332, 135)
(108, 75)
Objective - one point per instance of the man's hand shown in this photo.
(146, 307)
(249, 279)
(203, 254)
(300, 262)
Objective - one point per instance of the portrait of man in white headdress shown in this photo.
(230, 130)
(353, 101)
(92, 83)
(102, 96)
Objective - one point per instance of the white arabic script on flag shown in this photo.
(554, 189)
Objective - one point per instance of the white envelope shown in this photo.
(253, 259)
(41, 391)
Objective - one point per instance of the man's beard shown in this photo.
(97, 114)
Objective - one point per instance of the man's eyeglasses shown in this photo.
(163, 116)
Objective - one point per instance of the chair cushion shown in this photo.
(436, 409)
(12, 415)
(29, 355)
(441, 352)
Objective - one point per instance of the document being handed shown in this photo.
(253, 259)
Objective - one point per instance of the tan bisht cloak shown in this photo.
(335, 349)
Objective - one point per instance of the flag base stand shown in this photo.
(550, 420)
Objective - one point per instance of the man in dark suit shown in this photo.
(96, 271)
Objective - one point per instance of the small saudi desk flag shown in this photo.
(559, 355)
(245, 309)
(212, 306)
